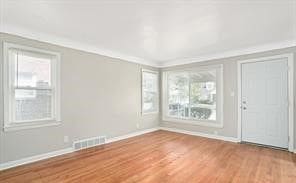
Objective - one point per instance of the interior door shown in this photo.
(265, 102)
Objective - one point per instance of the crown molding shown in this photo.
(104, 52)
(59, 41)
(227, 54)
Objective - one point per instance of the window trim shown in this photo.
(218, 123)
(8, 88)
(142, 91)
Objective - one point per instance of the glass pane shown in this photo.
(178, 94)
(33, 104)
(150, 82)
(149, 101)
(203, 95)
(149, 92)
(32, 69)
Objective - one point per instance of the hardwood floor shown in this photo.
(163, 156)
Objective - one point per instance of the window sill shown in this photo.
(30, 125)
(214, 124)
(147, 113)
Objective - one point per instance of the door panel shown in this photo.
(265, 102)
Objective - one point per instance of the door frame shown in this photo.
(290, 58)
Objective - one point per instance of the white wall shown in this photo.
(100, 96)
(230, 84)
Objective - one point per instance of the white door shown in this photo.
(265, 102)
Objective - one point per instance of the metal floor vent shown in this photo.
(90, 142)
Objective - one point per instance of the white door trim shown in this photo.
(290, 58)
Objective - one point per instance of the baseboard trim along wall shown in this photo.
(211, 136)
(39, 157)
(35, 158)
(114, 139)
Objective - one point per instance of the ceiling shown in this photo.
(158, 33)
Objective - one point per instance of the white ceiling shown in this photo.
(158, 33)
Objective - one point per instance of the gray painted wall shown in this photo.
(99, 96)
(93, 105)
(230, 84)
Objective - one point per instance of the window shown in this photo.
(31, 87)
(193, 96)
(149, 91)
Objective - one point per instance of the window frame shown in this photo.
(9, 89)
(157, 91)
(218, 123)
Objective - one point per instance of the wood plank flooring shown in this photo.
(163, 156)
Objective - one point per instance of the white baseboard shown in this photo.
(35, 158)
(39, 157)
(131, 135)
(218, 137)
